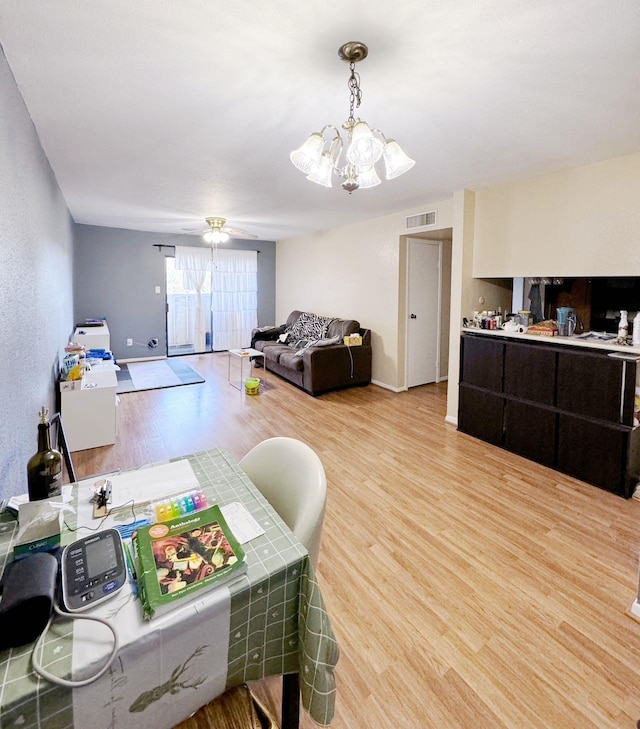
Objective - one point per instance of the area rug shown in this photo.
(136, 376)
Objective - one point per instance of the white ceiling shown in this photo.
(157, 113)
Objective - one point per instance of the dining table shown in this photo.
(269, 620)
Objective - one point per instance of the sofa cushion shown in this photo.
(292, 360)
(273, 351)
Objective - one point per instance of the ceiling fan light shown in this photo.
(217, 236)
(365, 149)
(321, 175)
(395, 160)
(368, 177)
(307, 157)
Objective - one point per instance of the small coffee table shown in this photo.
(245, 355)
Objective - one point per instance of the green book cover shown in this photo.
(178, 559)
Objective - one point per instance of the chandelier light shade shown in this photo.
(365, 149)
(396, 161)
(307, 157)
(368, 177)
(319, 157)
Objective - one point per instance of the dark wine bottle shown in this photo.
(44, 469)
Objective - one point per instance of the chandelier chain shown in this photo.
(355, 95)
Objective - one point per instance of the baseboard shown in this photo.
(388, 387)
(142, 359)
(452, 420)
(634, 610)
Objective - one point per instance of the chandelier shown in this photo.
(319, 157)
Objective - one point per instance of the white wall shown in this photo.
(352, 272)
(581, 222)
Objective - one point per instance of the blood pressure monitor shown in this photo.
(93, 570)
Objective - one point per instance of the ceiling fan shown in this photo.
(218, 232)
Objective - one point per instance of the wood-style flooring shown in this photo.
(468, 587)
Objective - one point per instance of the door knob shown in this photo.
(413, 316)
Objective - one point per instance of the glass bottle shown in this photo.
(623, 326)
(44, 469)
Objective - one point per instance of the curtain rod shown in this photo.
(160, 246)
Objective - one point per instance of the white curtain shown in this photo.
(196, 266)
(234, 298)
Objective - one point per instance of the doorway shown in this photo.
(428, 293)
(188, 313)
(212, 299)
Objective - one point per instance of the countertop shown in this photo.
(633, 352)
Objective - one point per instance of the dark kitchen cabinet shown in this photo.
(593, 451)
(482, 362)
(591, 385)
(566, 407)
(530, 431)
(529, 372)
(481, 415)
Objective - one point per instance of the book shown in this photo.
(177, 560)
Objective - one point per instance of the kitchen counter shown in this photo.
(611, 346)
(564, 402)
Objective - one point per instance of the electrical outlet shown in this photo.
(129, 342)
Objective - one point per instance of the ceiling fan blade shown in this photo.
(237, 233)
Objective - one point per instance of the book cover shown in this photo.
(178, 559)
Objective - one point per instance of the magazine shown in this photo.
(177, 559)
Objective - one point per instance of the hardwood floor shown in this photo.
(468, 587)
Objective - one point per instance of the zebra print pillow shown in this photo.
(310, 326)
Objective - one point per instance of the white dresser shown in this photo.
(88, 408)
(93, 337)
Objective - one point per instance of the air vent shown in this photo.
(421, 220)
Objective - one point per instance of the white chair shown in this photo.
(291, 477)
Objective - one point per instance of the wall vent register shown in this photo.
(420, 220)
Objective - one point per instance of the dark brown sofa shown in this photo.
(309, 351)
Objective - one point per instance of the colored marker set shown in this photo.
(180, 505)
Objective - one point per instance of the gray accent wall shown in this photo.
(116, 274)
(36, 279)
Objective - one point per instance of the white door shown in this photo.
(423, 311)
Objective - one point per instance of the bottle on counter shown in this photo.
(44, 469)
(623, 325)
(636, 330)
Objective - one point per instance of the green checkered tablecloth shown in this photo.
(278, 623)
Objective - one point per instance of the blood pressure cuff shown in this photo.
(28, 591)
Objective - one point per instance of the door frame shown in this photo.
(425, 241)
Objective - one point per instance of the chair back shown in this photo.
(290, 475)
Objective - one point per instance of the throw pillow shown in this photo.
(310, 326)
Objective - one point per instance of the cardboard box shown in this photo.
(39, 527)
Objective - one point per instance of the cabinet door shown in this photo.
(530, 431)
(590, 384)
(480, 414)
(530, 372)
(593, 452)
(481, 362)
